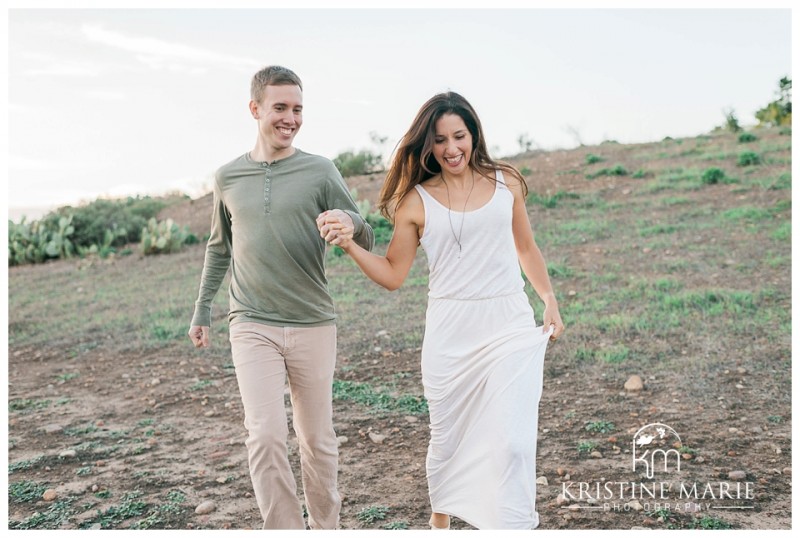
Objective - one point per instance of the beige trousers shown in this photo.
(264, 356)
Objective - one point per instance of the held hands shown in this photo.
(199, 336)
(336, 227)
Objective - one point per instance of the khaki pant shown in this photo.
(264, 356)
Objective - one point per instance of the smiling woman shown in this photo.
(482, 355)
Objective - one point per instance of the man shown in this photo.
(281, 314)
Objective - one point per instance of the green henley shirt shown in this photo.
(264, 228)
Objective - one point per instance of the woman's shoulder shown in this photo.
(410, 207)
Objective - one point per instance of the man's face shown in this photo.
(279, 115)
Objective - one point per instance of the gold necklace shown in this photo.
(463, 212)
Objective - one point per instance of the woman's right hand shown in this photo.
(343, 240)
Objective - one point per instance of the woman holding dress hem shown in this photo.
(482, 354)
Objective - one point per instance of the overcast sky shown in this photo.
(122, 102)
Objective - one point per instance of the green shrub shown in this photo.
(617, 170)
(60, 245)
(525, 171)
(778, 112)
(39, 241)
(125, 218)
(372, 514)
(747, 137)
(549, 201)
(559, 270)
(24, 242)
(104, 249)
(364, 162)
(97, 228)
(710, 522)
(25, 491)
(592, 158)
(383, 228)
(731, 121)
(748, 158)
(163, 237)
(783, 232)
(614, 354)
(712, 176)
(600, 426)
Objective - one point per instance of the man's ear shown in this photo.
(254, 109)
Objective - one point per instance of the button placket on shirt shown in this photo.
(267, 188)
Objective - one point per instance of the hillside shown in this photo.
(566, 170)
(662, 269)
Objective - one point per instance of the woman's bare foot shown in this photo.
(439, 521)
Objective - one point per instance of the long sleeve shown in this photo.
(217, 260)
(339, 198)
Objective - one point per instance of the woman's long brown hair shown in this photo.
(413, 161)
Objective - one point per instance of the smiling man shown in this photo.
(282, 320)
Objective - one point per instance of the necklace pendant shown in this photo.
(463, 212)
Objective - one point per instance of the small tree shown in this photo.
(575, 133)
(526, 143)
(351, 163)
(365, 161)
(778, 112)
(731, 121)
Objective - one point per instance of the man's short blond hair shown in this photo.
(272, 75)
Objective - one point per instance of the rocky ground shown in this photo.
(103, 433)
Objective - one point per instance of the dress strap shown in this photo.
(421, 190)
(501, 181)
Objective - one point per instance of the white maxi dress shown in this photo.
(482, 367)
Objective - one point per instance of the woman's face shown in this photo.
(452, 144)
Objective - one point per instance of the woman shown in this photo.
(482, 354)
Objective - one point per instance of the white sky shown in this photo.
(123, 101)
